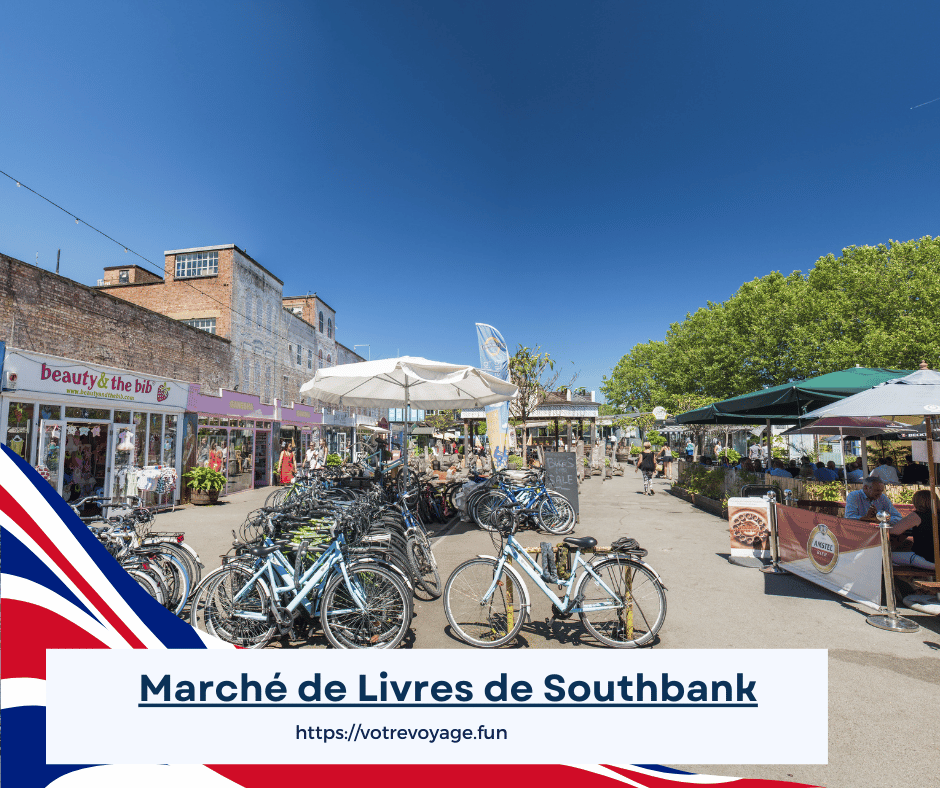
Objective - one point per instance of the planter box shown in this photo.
(203, 498)
(702, 502)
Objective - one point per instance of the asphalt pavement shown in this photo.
(884, 688)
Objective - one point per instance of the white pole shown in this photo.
(404, 449)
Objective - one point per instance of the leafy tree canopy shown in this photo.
(875, 306)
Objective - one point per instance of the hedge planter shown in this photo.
(703, 502)
(204, 497)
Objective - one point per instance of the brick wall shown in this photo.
(135, 275)
(185, 299)
(46, 313)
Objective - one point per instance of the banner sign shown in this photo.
(841, 555)
(749, 527)
(494, 359)
(52, 375)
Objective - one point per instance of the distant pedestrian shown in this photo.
(690, 449)
(647, 466)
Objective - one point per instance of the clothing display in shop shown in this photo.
(126, 441)
(153, 479)
(17, 444)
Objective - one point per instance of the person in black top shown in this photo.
(647, 466)
(914, 472)
(919, 524)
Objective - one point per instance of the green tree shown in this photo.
(535, 375)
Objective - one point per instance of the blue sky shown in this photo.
(579, 175)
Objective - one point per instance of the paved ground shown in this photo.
(884, 688)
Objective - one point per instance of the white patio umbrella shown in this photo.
(917, 394)
(409, 380)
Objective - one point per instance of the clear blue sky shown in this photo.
(579, 175)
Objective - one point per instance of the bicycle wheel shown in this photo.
(556, 514)
(246, 622)
(384, 617)
(486, 623)
(485, 507)
(640, 605)
(425, 567)
(147, 583)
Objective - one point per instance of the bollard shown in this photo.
(774, 568)
(889, 620)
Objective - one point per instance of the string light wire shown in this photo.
(129, 250)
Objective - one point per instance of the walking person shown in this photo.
(665, 457)
(647, 466)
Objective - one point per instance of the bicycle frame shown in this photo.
(514, 550)
(528, 502)
(276, 566)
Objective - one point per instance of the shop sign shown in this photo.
(229, 403)
(339, 420)
(51, 375)
(301, 416)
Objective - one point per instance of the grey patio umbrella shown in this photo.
(861, 426)
(917, 394)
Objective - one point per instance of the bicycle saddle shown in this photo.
(581, 542)
(261, 552)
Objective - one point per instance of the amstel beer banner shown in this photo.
(841, 555)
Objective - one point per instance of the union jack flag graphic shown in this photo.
(61, 589)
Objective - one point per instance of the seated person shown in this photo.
(777, 469)
(823, 474)
(793, 469)
(746, 465)
(920, 525)
(867, 502)
(758, 466)
(806, 468)
(855, 472)
(886, 471)
(914, 472)
(837, 471)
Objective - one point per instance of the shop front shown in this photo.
(234, 437)
(93, 430)
(300, 428)
(338, 433)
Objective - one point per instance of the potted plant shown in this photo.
(206, 484)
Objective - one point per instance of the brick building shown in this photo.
(277, 342)
(43, 312)
(98, 387)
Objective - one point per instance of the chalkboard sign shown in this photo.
(562, 470)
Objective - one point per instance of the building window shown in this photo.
(321, 322)
(309, 359)
(123, 277)
(248, 309)
(290, 352)
(329, 360)
(205, 323)
(197, 264)
(329, 327)
(258, 316)
(299, 355)
(297, 310)
(268, 314)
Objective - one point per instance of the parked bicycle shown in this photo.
(620, 598)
